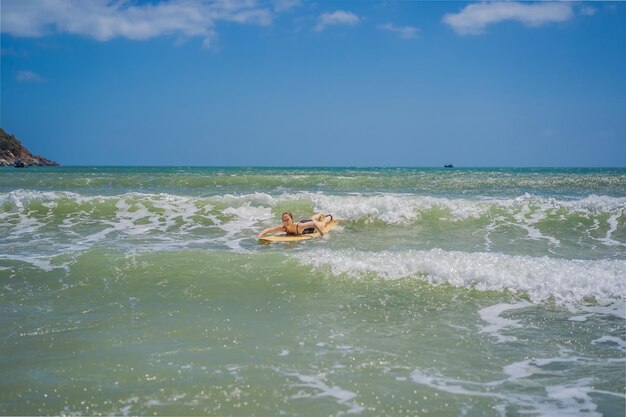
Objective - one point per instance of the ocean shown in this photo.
(442, 292)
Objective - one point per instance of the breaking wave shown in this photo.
(541, 279)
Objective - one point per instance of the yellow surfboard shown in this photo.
(284, 237)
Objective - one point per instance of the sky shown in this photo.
(325, 83)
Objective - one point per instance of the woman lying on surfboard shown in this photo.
(316, 222)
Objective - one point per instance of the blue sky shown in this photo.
(329, 83)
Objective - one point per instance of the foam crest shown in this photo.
(22, 199)
(258, 199)
(142, 214)
(77, 222)
(68, 218)
(245, 218)
(388, 208)
(406, 208)
(593, 203)
(542, 279)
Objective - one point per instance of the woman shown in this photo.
(317, 222)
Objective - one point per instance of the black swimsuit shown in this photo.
(307, 230)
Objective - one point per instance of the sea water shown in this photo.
(442, 292)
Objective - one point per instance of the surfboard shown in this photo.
(284, 237)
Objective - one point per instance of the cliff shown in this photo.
(12, 150)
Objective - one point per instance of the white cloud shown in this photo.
(338, 17)
(104, 19)
(588, 11)
(28, 77)
(474, 18)
(405, 32)
(283, 5)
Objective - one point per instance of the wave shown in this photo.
(75, 221)
(83, 220)
(595, 220)
(540, 278)
(402, 208)
(38, 225)
(388, 208)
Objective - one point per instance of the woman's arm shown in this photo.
(270, 230)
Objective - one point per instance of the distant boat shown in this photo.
(448, 166)
(18, 164)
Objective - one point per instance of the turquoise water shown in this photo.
(463, 292)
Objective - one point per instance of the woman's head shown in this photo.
(286, 217)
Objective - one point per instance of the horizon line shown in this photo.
(331, 166)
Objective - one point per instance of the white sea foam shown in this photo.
(542, 278)
(526, 219)
(403, 208)
(41, 262)
(613, 222)
(616, 342)
(496, 323)
(389, 208)
(617, 309)
(532, 214)
(572, 399)
(164, 219)
(319, 388)
(527, 368)
(260, 199)
(524, 211)
(454, 385)
(75, 222)
(559, 400)
(245, 218)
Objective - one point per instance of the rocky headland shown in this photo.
(12, 151)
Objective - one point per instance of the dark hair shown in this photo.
(287, 213)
